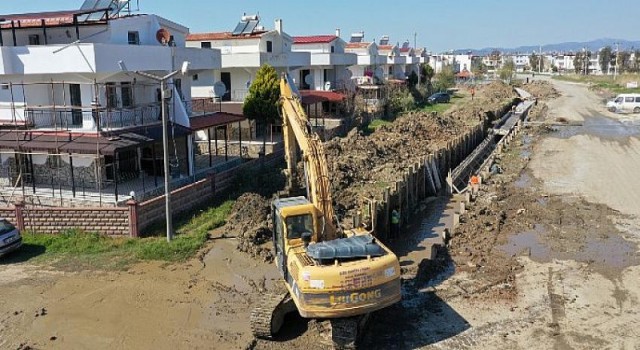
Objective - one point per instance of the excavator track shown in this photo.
(267, 317)
(343, 333)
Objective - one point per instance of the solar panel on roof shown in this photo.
(250, 26)
(240, 28)
(356, 39)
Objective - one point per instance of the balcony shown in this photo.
(100, 58)
(84, 119)
(333, 59)
(257, 59)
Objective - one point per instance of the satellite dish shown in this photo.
(308, 79)
(163, 36)
(219, 89)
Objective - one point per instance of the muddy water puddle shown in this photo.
(610, 252)
(603, 127)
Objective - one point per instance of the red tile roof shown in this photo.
(215, 119)
(51, 19)
(357, 45)
(385, 47)
(405, 49)
(314, 39)
(315, 96)
(223, 36)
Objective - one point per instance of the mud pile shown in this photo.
(363, 165)
(249, 223)
(541, 89)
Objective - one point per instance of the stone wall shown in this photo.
(9, 214)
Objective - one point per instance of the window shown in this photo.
(297, 225)
(333, 49)
(205, 45)
(269, 46)
(112, 95)
(195, 77)
(5, 227)
(134, 38)
(637, 99)
(127, 94)
(628, 99)
(34, 39)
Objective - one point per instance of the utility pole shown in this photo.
(540, 61)
(615, 68)
(415, 47)
(164, 91)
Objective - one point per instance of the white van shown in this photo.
(625, 103)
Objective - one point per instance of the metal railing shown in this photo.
(85, 118)
(202, 106)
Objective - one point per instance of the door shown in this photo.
(75, 98)
(225, 77)
(304, 81)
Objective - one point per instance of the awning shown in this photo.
(310, 97)
(86, 143)
(215, 119)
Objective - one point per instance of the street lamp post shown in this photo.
(165, 134)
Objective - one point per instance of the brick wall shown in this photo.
(9, 214)
(106, 221)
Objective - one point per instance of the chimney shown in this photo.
(279, 25)
(338, 32)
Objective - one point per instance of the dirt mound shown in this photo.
(541, 89)
(363, 165)
(249, 222)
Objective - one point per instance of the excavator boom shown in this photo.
(297, 131)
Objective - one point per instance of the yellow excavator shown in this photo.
(339, 276)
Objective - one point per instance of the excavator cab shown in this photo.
(295, 223)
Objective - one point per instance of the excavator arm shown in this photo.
(297, 131)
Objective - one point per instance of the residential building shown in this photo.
(328, 69)
(79, 119)
(243, 52)
(370, 65)
(412, 62)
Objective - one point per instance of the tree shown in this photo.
(581, 62)
(426, 73)
(506, 72)
(635, 63)
(605, 59)
(623, 61)
(412, 80)
(445, 79)
(536, 62)
(478, 68)
(263, 102)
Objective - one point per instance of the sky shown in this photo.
(440, 25)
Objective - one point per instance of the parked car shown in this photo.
(439, 97)
(10, 238)
(625, 103)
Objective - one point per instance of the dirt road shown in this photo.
(534, 266)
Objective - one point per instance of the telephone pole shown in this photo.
(615, 68)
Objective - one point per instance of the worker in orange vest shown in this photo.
(475, 184)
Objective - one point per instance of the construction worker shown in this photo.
(474, 184)
(395, 223)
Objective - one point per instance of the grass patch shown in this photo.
(375, 124)
(438, 107)
(604, 82)
(76, 249)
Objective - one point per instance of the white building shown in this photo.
(61, 73)
(328, 69)
(370, 65)
(243, 52)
